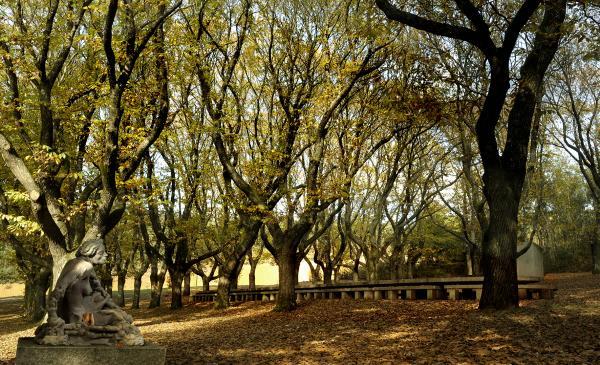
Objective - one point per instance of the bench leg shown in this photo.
(411, 294)
(392, 294)
(299, 297)
(377, 295)
(357, 295)
(522, 293)
(453, 294)
(368, 294)
(432, 294)
(345, 295)
(478, 294)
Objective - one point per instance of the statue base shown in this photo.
(30, 353)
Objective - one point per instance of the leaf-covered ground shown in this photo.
(565, 330)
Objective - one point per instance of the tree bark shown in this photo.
(327, 274)
(176, 294)
(121, 277)
(36, 286)
(205, 283)
(252, 277)
(157, 280)
(137, 286)
(222, 299)
(499, 260)
(372, 267)
(248, 228)
(186, 284)
(286, 298)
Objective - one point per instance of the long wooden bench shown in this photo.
(526, 291)
(423, 288)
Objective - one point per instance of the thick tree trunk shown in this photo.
(121, 277)
(500, 246)
(222, 300)
(157, 280)
(372, 268)
(137, 285)
(286, 298)
(227, 275)
(36, 286)
(327, 274)
(229, 270)
(205, 284)
(176, 294)
(59, 259)
(186, 284)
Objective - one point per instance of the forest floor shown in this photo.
(565, 330)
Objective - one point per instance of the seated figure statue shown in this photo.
(80, 311)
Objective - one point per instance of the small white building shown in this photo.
(531, 263)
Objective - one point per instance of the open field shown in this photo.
(565, 330)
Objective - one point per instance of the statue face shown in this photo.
(100, 256)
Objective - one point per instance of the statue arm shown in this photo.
(97, 286)
(58, 293)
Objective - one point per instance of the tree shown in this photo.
(574, 98)
(504, 173)
(51, 171)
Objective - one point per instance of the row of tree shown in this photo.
(317, 129)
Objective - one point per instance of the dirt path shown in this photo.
(565, 330)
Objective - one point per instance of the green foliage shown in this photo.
(9, 271)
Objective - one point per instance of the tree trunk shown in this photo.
(595, 246)
(327, 273)
(36, 286)
(410, 268)
(248, 233)
(137, 285)
(176, 281)
(157, 280)
(106, 279)
(227, 275)
(121, 288)
(205, 283)
(372, 268)
(596, 258)
(500, 246)
(222, 299)
(186, 284)
(469, 259)
(59, 259)
(286, 298)
(252, 277)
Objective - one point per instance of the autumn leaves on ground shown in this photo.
(565, 330)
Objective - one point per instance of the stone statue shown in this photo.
(80, 311)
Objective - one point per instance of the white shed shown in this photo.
(531, 263)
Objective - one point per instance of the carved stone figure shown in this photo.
(80, 311)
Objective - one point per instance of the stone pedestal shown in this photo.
(30, 353)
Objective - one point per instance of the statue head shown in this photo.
(94, 250)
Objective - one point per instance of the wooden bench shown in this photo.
(526, 291)
(460, 291)
(536, 291)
